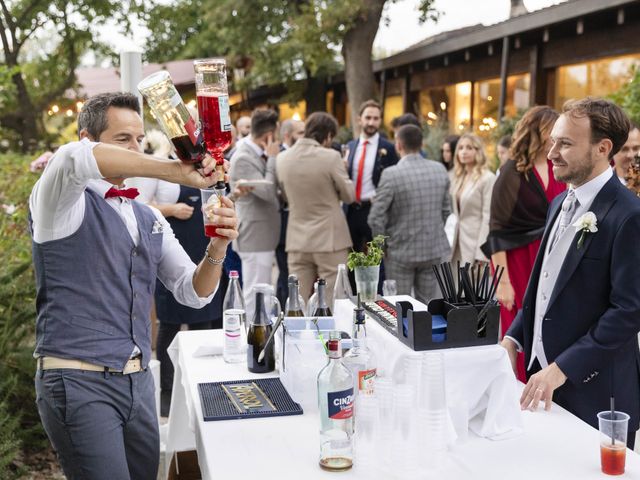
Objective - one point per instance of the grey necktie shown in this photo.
(569, 206)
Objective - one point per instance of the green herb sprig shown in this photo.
(373, 256)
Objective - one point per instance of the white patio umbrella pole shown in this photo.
(131, 72)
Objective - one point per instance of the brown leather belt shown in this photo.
(49, 363)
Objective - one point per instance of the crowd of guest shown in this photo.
(302, 206)
(454, 208)
(310, 205)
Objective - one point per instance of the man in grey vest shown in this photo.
(96, 255)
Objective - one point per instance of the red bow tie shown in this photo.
(124, 192)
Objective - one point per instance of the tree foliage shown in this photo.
(628, 97)
(42, 43)
(274, 41)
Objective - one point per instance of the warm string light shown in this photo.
(69, 112)
(488, 123)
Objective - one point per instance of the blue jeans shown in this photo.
(102, 427)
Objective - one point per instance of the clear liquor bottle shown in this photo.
(173, 117)
(335, 400)
(342, 289)
(361, 360)
(312, 303)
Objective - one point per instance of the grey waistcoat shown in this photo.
(94, 288)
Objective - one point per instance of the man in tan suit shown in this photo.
(314, 180)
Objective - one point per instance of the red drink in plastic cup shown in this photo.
(612, 458)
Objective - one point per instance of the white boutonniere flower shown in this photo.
(587, 223)
(382, 152)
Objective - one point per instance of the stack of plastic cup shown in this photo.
(413, 372)
(405, 453)
(384, 395)
(432, 414)
(366, 416)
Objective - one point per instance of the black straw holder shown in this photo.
(462, 325)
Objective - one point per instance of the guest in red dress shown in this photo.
(521, 196)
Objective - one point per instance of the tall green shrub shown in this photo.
(19, 424)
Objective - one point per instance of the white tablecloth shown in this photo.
(554, 445)
(482, 392)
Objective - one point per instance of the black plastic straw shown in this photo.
(496, 281)
(468, 287)
(613, 413)
(484, 284)
(439, 280)
(443, 275)
(452, 287)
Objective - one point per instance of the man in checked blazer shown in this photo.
(411, 205)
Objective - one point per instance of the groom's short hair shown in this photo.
(607, 120)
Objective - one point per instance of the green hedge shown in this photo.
(628, 97)
(19, 423)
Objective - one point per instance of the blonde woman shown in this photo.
(471, 197)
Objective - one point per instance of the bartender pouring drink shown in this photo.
(97, 253)
(581, 312)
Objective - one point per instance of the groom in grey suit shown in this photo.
(258, 208)
(411, 205)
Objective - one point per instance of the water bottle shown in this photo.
(234, 321)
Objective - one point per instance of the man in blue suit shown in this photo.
(367, 156)
(581, 312)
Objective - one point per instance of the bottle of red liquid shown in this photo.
(213, 108)
(173, 117)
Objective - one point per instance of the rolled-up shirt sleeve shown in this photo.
(176, 269)
(57, 201)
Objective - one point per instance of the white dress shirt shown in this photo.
(585, 194)
(368, 189)
(153, 190)
(57, 206)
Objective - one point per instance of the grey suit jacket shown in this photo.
(411, 205)
(314, 180)
(258, 212)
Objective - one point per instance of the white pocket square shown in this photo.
(157, 227)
